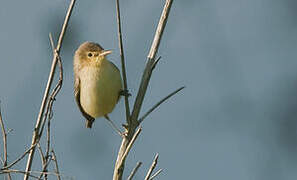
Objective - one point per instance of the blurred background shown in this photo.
(236, 119)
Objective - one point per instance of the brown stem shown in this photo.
(120, 162)
(130, 177)
(35, 136)
(123, 61)
(151, 61)
(20, 158)
(56, 165)
(156, 174)
(150, 171)
(4, 143)
(159, 103)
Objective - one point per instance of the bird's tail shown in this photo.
(89, 123)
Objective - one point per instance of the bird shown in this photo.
(97, 82)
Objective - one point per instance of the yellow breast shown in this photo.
(99, 88)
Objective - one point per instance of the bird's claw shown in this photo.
(125, 93)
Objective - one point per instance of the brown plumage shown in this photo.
(97, 82)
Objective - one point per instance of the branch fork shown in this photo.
(132, 119)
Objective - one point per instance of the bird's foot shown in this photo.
(125, 93)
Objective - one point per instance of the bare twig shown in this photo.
(123, 154)
(56, 165)
(35, 136)
(151, 60)
(130, 177)
(43, 160)
(159, 103)
(18, 171)
(44, 168)
(48, 113)
(156, 62)
(122, 60)
(50, 36)
(41, 155)
(20, 158)
(131, 143)
(147, 177)
(4, 139)
(156, 174)
(4, 143)
(30, 173)
(117, 130)
(120, 162)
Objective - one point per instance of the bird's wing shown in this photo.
(117, 69)
(89, 118)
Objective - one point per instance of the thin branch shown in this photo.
(56, 90)
(20, 158)
(4, 139)
(19, 171)
(156, 62)
(118, 171)
(151, 61)
(123, 61)
(43, 160)
(35, 136)
(156, 174)
(131, 143)
(114, 127)
(56, 165)
(147, 177)
(32, 172)
(159, 103)
(44, 169)
(4, 143)
(120, 162)
(160, 29)
(49, 113)
(50, 36)
(130, 177)
(41, 155)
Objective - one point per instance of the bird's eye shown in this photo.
(90, 54)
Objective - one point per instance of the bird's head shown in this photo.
(90, 52)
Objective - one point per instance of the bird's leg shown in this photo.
(114, 126)
(125, 93)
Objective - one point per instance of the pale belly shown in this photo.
(99, 90)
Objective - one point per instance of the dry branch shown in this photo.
(150, 171)
(19, 171)
(151, 60)
(123, 61)
(133, 122)
(159, 103)
(20, 158)
(29, 173)
(48, 113)
(130, 177)
(4, 135)
(156, 174)
(131, 143)
(56, 165)
(36, 135)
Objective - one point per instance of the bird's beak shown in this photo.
(105, 52)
